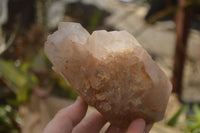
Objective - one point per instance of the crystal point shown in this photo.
(110, 71)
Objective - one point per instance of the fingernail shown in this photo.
(138, 126)
(78, 99)
(142, 121)
(148, 128)
(142, 124)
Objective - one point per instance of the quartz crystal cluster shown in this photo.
(110, 71)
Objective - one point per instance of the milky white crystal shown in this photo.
(111, 71)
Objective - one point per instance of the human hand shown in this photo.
(71, 120)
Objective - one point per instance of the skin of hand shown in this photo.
(71, 120)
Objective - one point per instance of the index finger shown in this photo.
(67, 118)
(137, 126)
